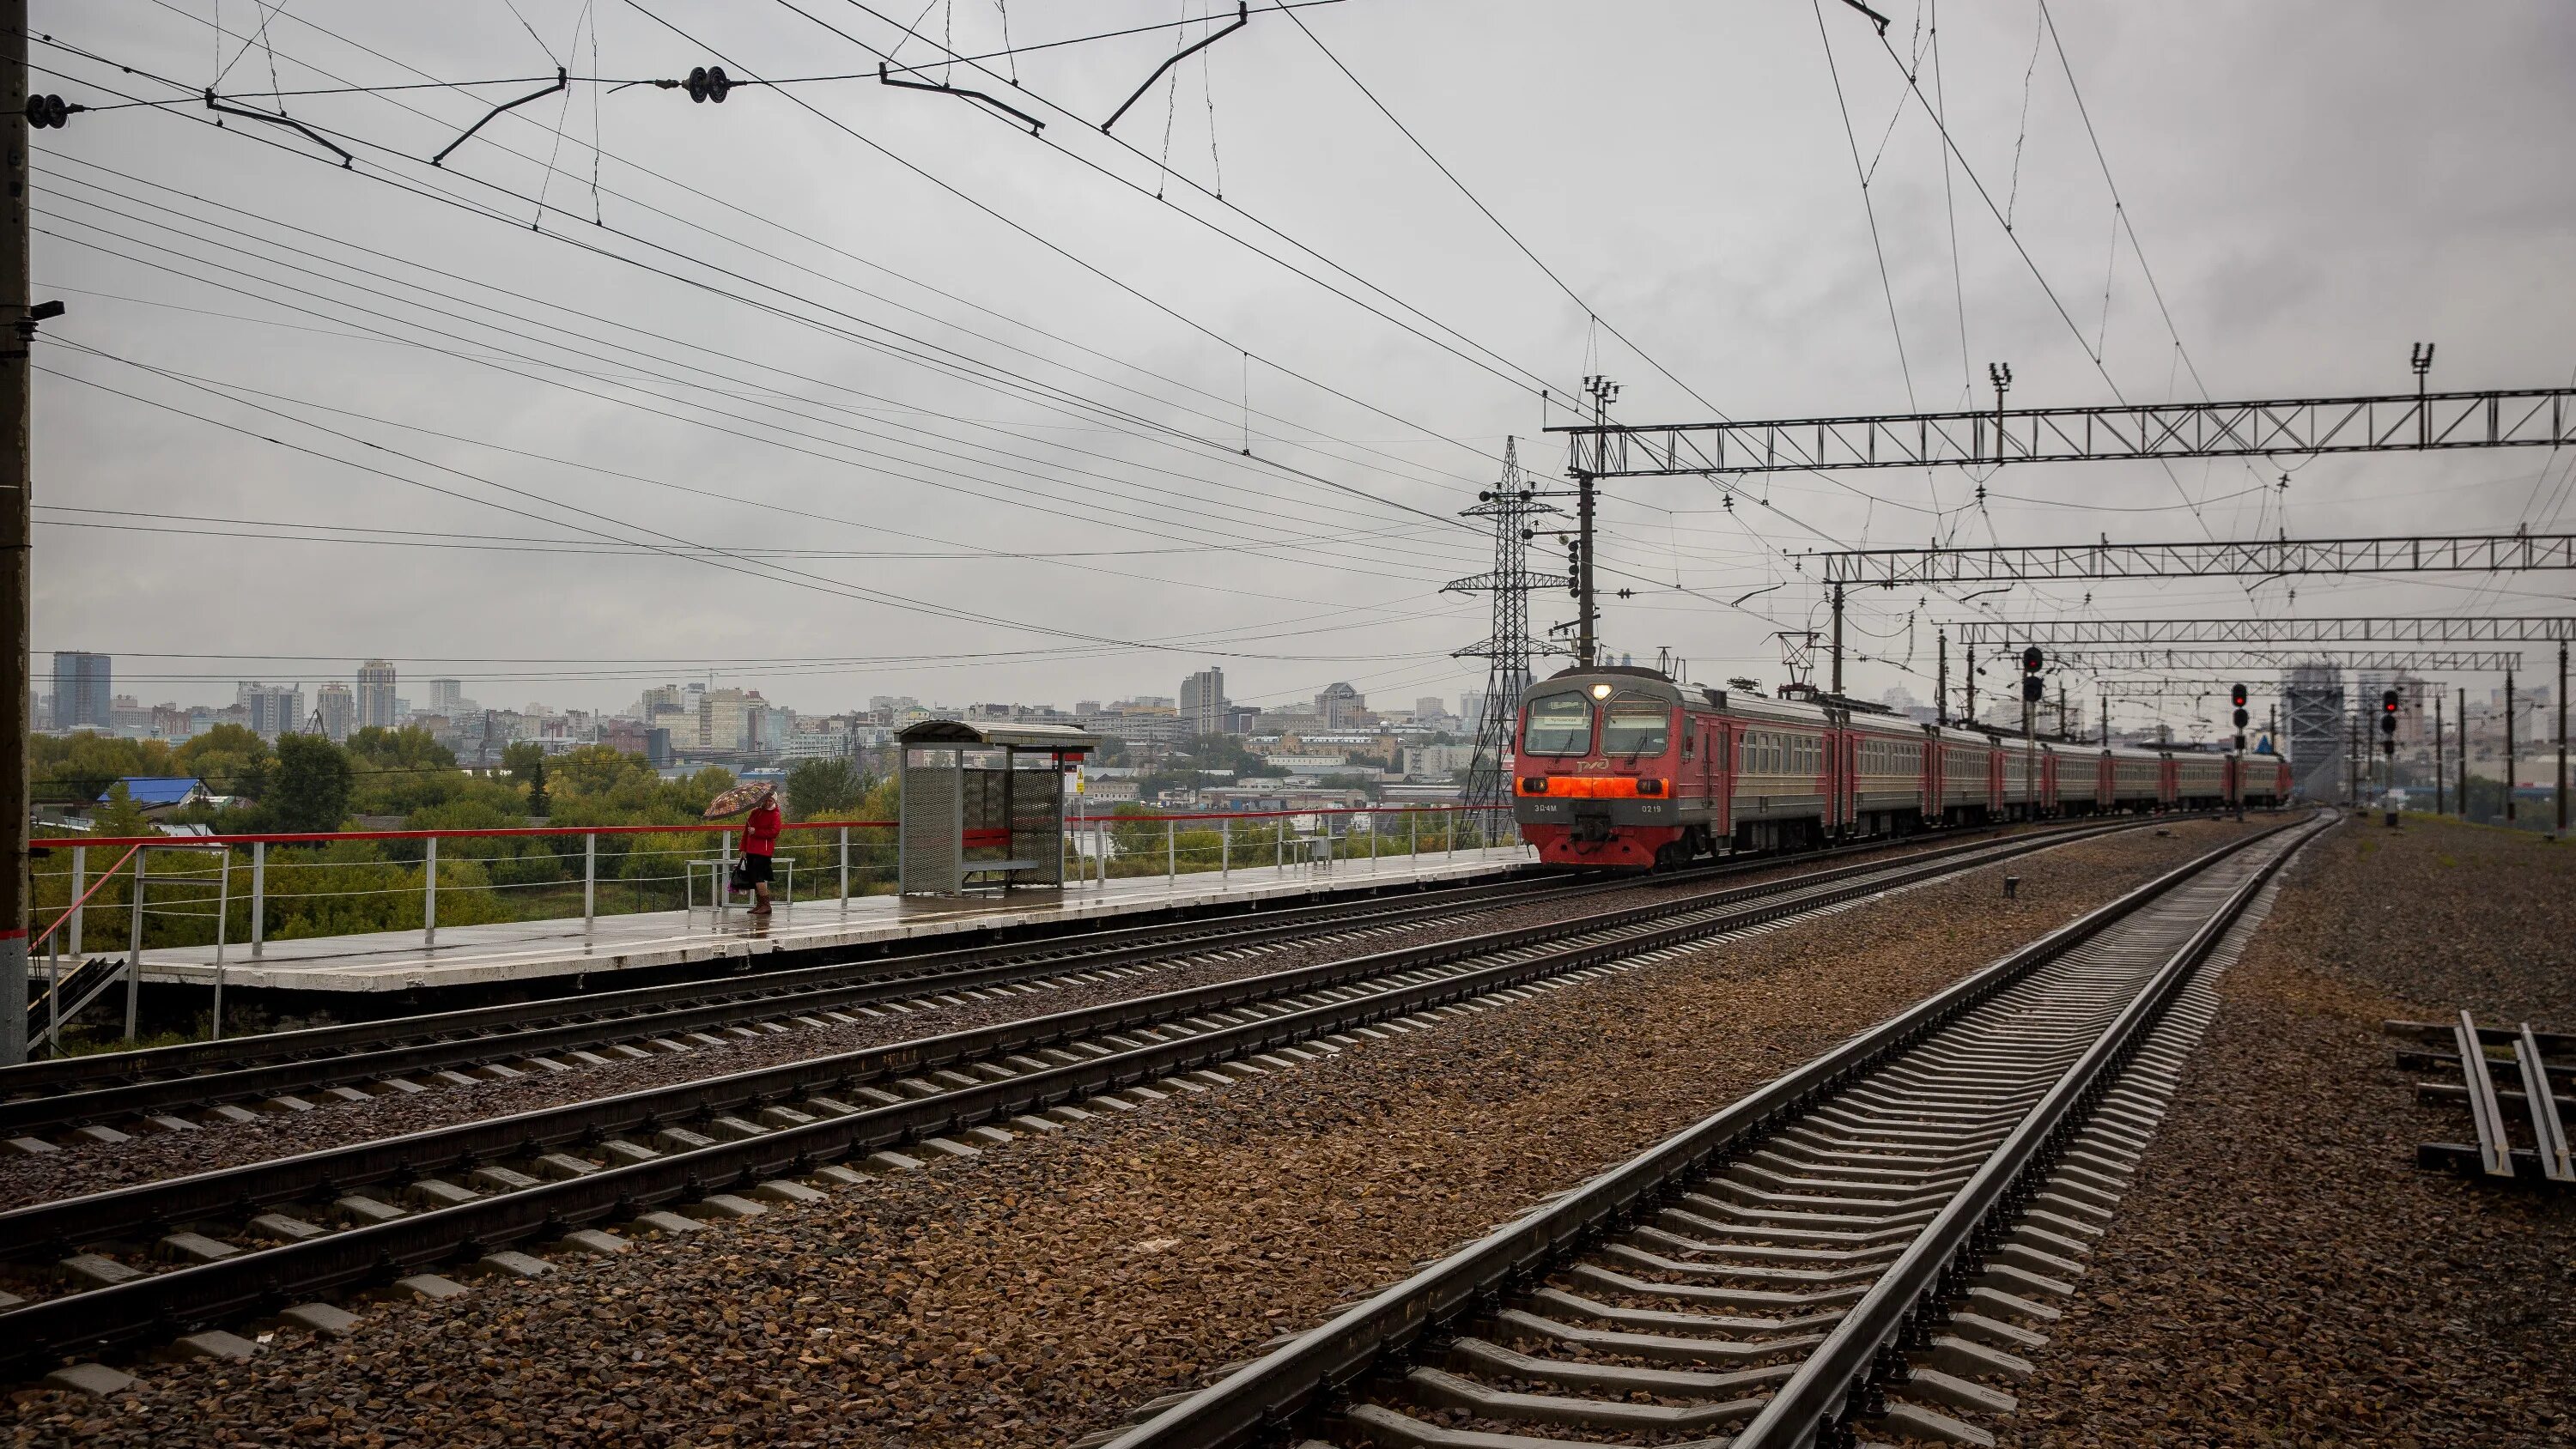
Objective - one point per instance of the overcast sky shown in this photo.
(847, 389)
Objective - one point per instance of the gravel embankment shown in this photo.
(86, 1167)
(1050, 1287)
(2283, 1274)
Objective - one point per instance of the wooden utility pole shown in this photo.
(16, 534)
(2562, 739)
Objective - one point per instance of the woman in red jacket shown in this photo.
(759, 843)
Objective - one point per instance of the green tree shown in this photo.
(408, 748)
(526, 762)
(824, 789)
(231, 760)
(599, 770)
(120, 816)
(77, 769)
(311, 786)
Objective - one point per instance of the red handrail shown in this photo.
(59, 842)
(40, 936)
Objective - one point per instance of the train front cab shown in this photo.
(1600, 773)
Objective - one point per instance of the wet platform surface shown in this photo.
(501, 952)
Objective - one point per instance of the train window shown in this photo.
(1559, 724)
(1634, 726)
(1690, 740)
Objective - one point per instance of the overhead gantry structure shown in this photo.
(2398, 422)
(2256, 558)
(2085, 633)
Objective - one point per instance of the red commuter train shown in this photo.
(1619, 766)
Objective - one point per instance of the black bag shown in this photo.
(740, 880)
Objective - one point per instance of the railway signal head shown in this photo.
(2236, 696)
(2242, 720)
(2031, 659)
(2388, 716)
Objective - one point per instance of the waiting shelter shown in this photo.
(984, 802)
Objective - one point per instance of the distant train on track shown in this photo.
(1618, 766)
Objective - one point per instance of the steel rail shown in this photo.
(40, 1229)
(146, 1308)
(1841, 1379)
(1274, 1391)
(76, 1091)
(1115, 945)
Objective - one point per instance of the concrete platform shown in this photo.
(654, 941)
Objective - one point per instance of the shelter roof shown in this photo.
(1064, 739)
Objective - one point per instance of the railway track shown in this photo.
(135, 1266)
(151, 1089)
(1849, 1251)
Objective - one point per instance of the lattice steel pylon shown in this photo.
(1512, 505)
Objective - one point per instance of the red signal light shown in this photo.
(2236, 696)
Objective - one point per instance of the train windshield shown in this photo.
(1559, 724)
(1634, 726)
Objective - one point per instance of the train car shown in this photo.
(1624, 768)
(2258, 780)
(2022, 781)
(1888, 789)
(2133, 779)
(1782, 794)
(2075, 778)
(2199, 781)
(1967, 783)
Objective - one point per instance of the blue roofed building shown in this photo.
(154, 794)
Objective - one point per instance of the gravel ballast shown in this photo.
(83, 1166)
(1048, 1288)
(2283, 1273)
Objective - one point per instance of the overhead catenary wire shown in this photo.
(1264, 462)
(481, 316)
(730, 563)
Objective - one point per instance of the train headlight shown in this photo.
(1533, 784)
(1600, 691)
(1650, 787)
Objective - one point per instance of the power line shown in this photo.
(471, 208)
(771, 573)
(482, 317)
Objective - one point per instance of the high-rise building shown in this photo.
(337, 709)
(447, 697)
(82, 697)
(376, 707)
(273, 709)
(724, 716)
(1203, 701)
(1341, 706)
